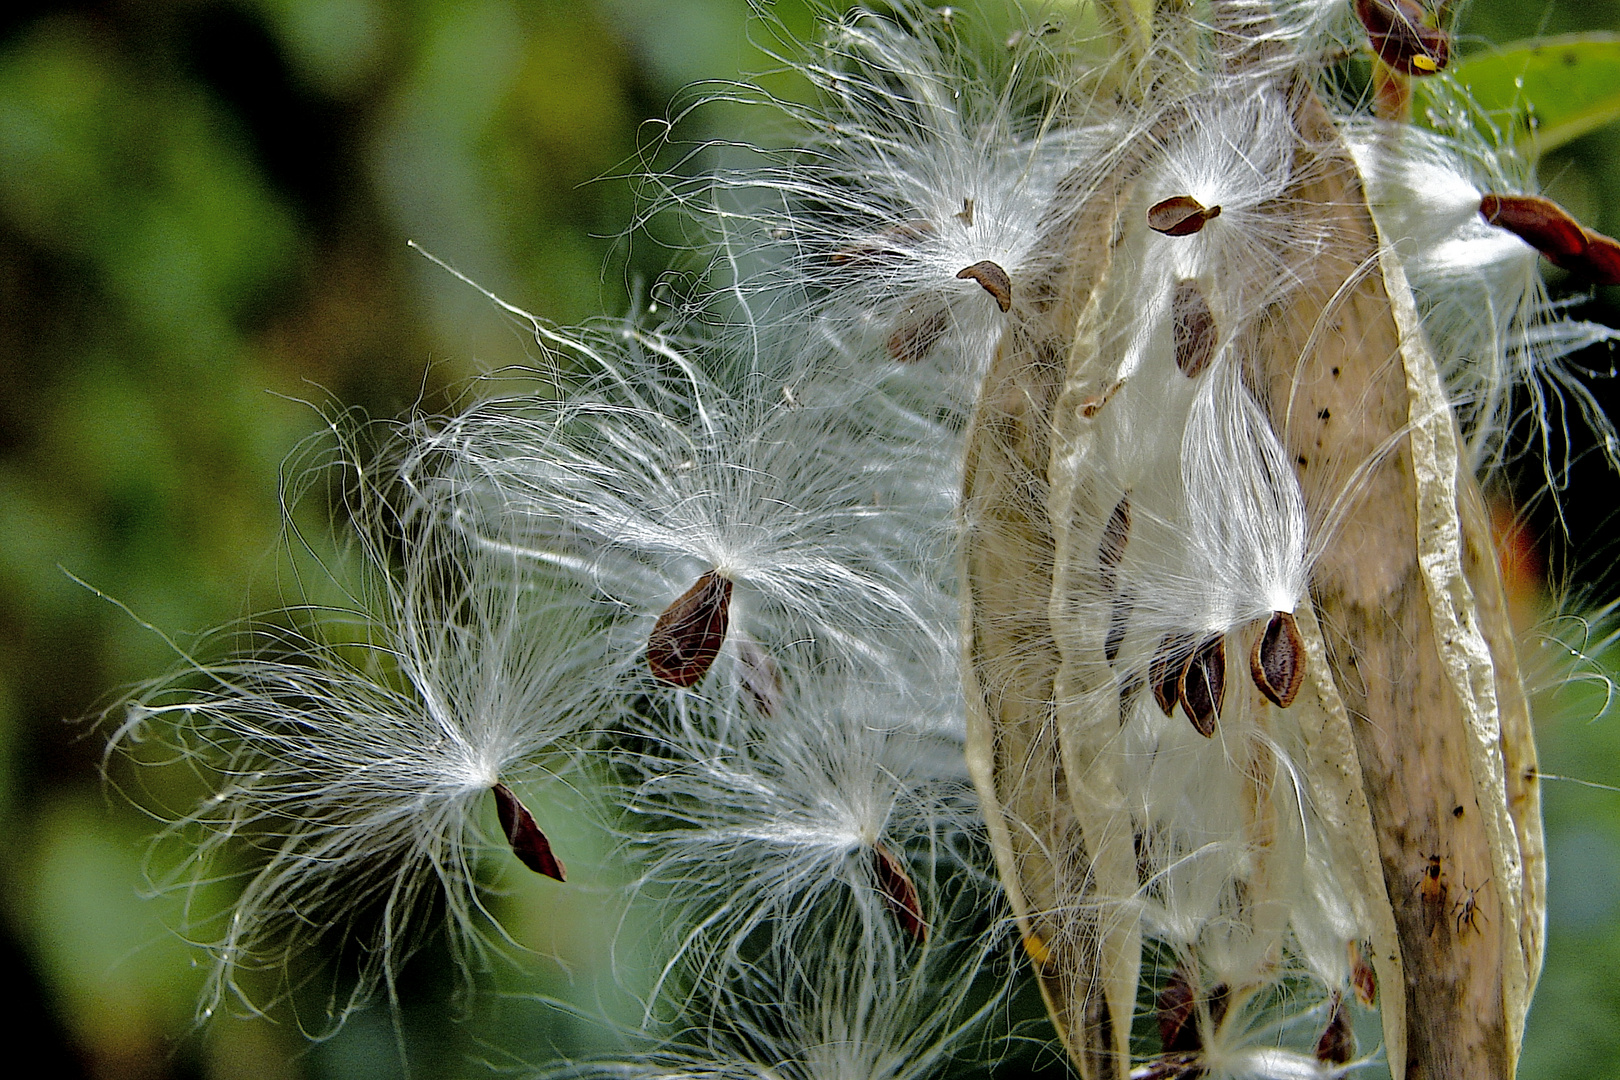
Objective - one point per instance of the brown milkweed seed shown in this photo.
(1337, 1046)
(688, 635)
(1362, 977)
(1202, 687)
(993, 278)
(1278, 660)
(898, 891)
(1180, 215)
(1550, 229)
(529, 844)
(1174, 1007)
(917, 335)
(1164, 673)
(1398, 34)
(1194, 327)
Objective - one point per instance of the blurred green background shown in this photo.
(203, 214)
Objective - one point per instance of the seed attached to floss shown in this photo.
(1194, 327)
(1116, 534)
(994, 280)
(687, 636)
(1550, 229)
(1399, 34)
(1164, 673)
(898, 891)
(1174, 1007)
(886, 245)
(529, 844)
(1362, 977)
(917, 335)
(1337, 1046)
(1202, 687)
(1180, 215)
(1278, 660)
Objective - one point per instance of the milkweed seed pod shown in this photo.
(1206, 435)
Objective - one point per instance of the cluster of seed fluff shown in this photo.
(723, 562)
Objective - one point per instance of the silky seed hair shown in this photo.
(350, 753)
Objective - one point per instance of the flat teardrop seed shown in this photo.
(1180, 215)
(1337, 1046)
(687, 636)
(1164, 673)
(1277, 663)
(917, 334)
(1175, 1007)
(1202, 688)
(1194, 328)
(1539, 222)
(993, 279)
(529, 844)
(898, 891)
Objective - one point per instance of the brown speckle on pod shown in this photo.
(993, 279)
(1202, 687)
(1277, 662)
(1094, 405)
(687, 636)
(1399, 33)
(1194, 328)
(529, 844)
(1180, 215)
(899, 892)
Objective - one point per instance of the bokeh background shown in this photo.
(204, 209)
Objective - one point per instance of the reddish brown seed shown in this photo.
(688, 635)
(1601, 264)
(896, 887)
(917, 334)
(1202, 687)
(1175, 1007)
(1277, 662)
(529, 844)
(1164, 673)
(1337, 1046)
(1539, 222)
(1362, 977)
(1402, 39)
(760, 677)
(1194, 327)
(994, 280)
(1180, 215)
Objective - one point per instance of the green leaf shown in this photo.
(1543, 92)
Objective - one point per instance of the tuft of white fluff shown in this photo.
(348, 755)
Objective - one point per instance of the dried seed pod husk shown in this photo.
(1180, 215)
(1404, 648)
(899, 892)
(687, 636)
(529, 844)
(993, 279)
(1055, 847)
(1277, 662)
